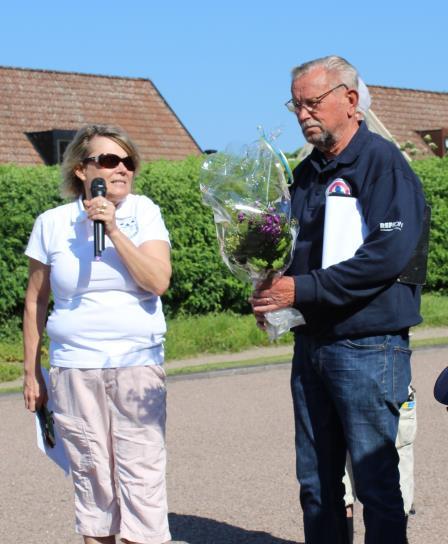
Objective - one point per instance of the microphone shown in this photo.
(98, 188)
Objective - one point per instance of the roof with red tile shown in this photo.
(409, 114)
(41, 100)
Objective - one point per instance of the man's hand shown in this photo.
(278, 294)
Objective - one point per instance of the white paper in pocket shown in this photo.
(56, 454)
(344, 229)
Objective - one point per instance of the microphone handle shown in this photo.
(98, 238)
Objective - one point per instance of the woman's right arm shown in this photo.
(36, 304)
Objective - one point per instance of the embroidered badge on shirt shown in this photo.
(128, 226)
(339, 187)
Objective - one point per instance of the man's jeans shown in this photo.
(347, 394)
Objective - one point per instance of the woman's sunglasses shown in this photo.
(109, 160)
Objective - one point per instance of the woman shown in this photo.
(106, 330)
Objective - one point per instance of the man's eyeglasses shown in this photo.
(110, 160)
(312, 104)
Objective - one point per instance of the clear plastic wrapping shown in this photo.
(248, 192)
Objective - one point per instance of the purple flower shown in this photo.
(241, 217)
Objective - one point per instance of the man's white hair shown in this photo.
(342, 68)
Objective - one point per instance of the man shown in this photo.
(351, 365)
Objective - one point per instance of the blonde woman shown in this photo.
(106, 330)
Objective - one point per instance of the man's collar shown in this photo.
(347, 156)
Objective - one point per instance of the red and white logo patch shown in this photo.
(339, 187)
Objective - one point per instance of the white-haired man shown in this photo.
(351, 365)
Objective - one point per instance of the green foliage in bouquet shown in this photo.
(260, 240)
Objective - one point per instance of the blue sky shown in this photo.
(224, 67)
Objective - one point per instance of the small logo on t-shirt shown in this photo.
(339, 187)
(391, 225)
(128, 226)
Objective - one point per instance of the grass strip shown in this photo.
(429, 342)
(223, 332)
(210, 367)
(12, 389)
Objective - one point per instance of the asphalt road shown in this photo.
(231, 464)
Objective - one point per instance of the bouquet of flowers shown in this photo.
(248, 192)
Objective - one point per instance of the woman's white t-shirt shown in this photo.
(101, 317)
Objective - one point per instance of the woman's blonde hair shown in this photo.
(78, 150)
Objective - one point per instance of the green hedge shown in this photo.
(26, 192)
(201, 283)
(434, 175)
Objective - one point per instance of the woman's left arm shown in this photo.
(149, 264)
